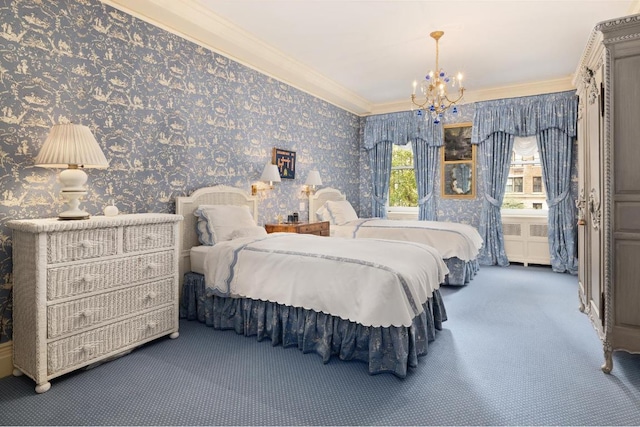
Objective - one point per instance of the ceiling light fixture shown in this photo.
(434, 100)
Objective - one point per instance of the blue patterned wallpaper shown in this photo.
(170, 116)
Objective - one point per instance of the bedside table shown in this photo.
(317, 228)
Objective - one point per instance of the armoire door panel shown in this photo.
(627, 254)
(626, 145)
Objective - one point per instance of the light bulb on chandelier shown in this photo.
(434, 99)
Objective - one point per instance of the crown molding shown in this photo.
(190, 20)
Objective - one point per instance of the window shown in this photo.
(514, 184)
(537, 184)
(525, 189)
(403, 190)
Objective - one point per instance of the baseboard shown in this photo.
(6, 359)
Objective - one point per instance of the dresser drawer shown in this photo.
(148, 236)
(82, 313)
(81, 244)
(101, 275)
(83, 348)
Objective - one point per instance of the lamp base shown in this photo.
(73, 211)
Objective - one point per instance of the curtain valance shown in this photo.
(526, 116)
(400, 129)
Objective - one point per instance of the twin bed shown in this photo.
(459, 244)
(335, 297)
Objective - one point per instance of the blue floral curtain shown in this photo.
(400, 129)
(426, 162)
(495, 160)
(555, 153)
(527, 116)
(380, 161)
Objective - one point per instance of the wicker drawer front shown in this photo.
(81, 244)
(79, 314)
(78, 279)
(151, 236)
(83, 348)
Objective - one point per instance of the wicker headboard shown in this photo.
(317, 200)
(185, 206)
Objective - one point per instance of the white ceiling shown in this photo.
(363, 55)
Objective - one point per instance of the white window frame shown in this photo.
(506, 213)
(402, 212)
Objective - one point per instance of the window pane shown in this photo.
(537, 184)
(403, 191)
(517, 184)
(524, 188)
(402, 188)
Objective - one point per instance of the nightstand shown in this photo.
(317, 228)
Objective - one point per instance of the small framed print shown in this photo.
(285, 160)
(458, 162)
(457, 142)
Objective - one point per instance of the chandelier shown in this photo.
(434, 100)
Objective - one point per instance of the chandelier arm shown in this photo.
(456, 100)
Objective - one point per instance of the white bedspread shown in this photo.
(371, 282)
(449, 238)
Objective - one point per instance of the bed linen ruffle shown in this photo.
(392, 349)
(460, 272)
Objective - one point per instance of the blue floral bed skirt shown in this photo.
(460, 272)
(391, 349)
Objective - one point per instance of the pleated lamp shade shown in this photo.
(71, 144)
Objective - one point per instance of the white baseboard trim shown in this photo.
(6, 359)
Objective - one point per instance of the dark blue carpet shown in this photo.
(515, 351)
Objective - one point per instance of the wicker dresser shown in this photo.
(86, 291)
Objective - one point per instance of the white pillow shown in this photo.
(340, 212)
(322, 214)
(255, 231)
(222, 221)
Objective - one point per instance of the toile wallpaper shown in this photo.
(169, 115)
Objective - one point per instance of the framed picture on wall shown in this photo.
(458, 162)
(457, 142)
(285, 160)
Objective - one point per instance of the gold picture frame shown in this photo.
(458, 180)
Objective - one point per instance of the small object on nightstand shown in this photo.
(111, 210)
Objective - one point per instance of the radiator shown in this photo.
(525, 239)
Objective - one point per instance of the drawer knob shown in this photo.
(88, 278)
(150, 236)
(151, 295)
(151, 325)
(152, 266)
(86, 243)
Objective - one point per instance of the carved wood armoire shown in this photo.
(608, 86)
